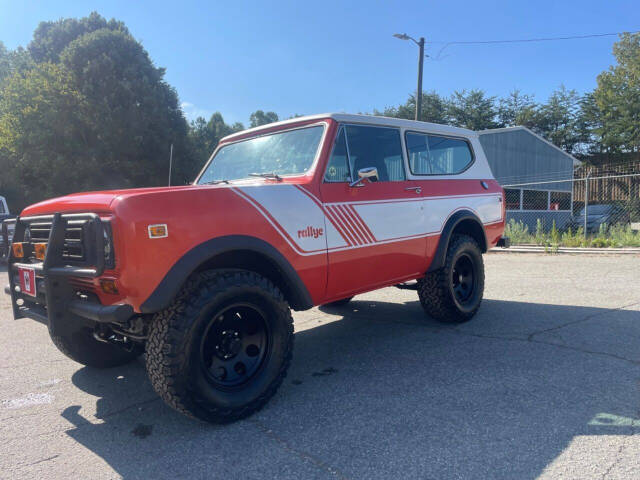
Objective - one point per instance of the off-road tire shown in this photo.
(435, 289)
(80, 346)
(176, 332)
(339, 303)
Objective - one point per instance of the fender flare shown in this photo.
(443, 244)
(162, 296)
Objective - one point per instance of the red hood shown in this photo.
(96, 202)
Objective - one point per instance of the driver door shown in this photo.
(379, 222)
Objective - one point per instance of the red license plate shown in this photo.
(27, 281)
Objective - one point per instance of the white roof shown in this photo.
(576, 162)
(368, 119)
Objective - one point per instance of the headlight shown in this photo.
(109, 258)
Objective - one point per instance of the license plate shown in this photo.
(27, 281)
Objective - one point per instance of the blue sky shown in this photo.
(311, 57)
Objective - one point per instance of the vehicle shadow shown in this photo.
(382, 392)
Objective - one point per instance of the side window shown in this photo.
(338, 167)
(377, 147)
(433, 155)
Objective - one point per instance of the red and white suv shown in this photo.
(304, 212)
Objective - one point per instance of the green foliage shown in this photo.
(515, 109)
(518, 232)
(87, 111)
(51, 38)
(540, 237)
(615, 236)
(554, 234)
(434, 109)
(259, 117)
(623, 236)
(617, 98)
(473, 110)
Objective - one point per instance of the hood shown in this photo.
(96, 202)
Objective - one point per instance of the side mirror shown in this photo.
(367, 172)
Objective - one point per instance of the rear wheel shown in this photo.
(453, 293)
(222, 349)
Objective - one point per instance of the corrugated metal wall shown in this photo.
(518, 156)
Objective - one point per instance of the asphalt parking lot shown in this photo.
(544, 382)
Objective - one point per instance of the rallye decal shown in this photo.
(312, 227)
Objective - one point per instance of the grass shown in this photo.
(614, 236)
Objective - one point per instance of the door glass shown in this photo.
(376, 147)
(338, 167)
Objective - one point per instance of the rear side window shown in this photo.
(435, 155)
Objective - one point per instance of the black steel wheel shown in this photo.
(464, 278)
(235, 345)
(453, 293)
(222, 349)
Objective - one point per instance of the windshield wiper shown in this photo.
(273, 175)
(215, 182)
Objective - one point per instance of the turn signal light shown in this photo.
(18, 249)
(158, 231)
(40, 250)
(108, 285)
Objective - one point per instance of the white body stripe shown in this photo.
(294, 212)
(298, 215)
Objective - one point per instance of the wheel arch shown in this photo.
(463, 222)
(234, 251)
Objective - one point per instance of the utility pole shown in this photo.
(420, 43)
(420, 64)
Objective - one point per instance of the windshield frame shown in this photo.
(322, 123)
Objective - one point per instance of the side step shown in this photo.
(413, 285)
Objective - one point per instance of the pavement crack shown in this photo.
(42, 460)
(557, 345)
(584, 319)
(304, 456)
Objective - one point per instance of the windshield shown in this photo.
(284, 153)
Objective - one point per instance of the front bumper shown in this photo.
(57, 276)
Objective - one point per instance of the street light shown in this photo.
(420, 43)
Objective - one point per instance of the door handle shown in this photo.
(418, 190)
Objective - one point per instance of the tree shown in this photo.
(134, 116)
(259, 117)
(92, 112)
(515, 109)
(558, 119)
(434, 109)
(42, 135)
(617, 98)
(473, 110)
(51, 38)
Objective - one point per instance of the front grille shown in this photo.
(74, 246)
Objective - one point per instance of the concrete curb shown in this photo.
(573, 250)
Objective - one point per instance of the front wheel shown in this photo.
(453, 293)
(222, 349)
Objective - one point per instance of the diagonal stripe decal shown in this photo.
(312, 227)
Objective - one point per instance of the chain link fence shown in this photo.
(599, 207)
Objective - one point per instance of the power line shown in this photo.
(527, 40)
